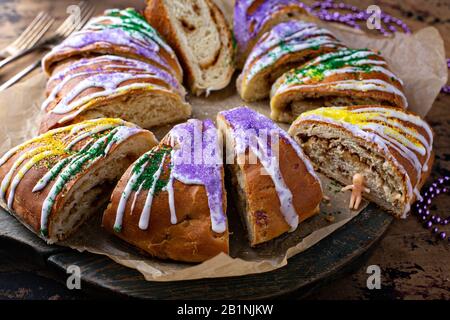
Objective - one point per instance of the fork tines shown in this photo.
(34, 32)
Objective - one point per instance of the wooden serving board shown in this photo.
(305, 270)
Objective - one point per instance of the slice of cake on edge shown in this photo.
(200, 35)
(274, 182)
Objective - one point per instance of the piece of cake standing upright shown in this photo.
(274, 183)
(201, 37)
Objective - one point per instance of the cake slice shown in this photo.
(287, 45)
(53, 183)
(253, 18)
(273, 182)
(113, 86)
(389, 148)
(171, 203)
(343, 78)
(200, 35)
(120, 32)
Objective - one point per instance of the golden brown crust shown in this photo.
(191, 239)
(263, 201)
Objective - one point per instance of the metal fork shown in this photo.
(30, 36)
(65, 29)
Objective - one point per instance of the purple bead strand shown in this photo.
(432, 222)
(328, 10)
(446, 89)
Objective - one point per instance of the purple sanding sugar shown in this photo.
(279, 33)
(243, 21)
(289, 37)
(107, 62)
(248, 124)
(199, 161)
(116, 36)
(245, 121)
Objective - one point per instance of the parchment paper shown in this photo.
(418, 59)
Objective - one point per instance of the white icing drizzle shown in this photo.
(265, 155)
(145, 214)
(417, 121)
(45, 180)
(7, 179)
(48, 146)
(136, 195)
(277, 53)
(191, 173)
(273, 39)
(106, 59)
(21, 173)
(343, 56)
(87, 134)
(125, 195)
(272, 168)
(120, 134)
(376, 127)
(171, 196)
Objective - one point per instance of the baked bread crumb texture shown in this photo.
(123, 73)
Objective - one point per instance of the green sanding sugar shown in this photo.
(153, 161)
(333, 62)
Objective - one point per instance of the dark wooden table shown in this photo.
(414, 264)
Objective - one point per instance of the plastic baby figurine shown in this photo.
(357, 189)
